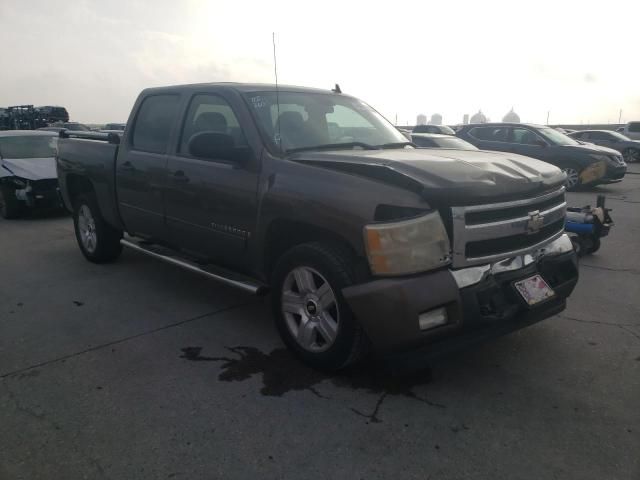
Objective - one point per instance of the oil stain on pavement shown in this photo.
(282, 373)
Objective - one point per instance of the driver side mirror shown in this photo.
(541, 143)
(217, 146)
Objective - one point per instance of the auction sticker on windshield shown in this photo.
(534, 289)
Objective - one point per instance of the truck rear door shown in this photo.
(141, 165)
(211, 201)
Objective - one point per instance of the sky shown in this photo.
(574, 61)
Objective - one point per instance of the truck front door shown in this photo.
(141, 166)
(211, 200)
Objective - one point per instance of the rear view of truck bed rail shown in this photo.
(110, 137)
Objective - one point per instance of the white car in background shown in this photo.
(631, 130)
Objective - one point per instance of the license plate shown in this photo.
(534, 289)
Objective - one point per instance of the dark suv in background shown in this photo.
(630, 149)
(583, 164)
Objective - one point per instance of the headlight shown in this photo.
(408, 246)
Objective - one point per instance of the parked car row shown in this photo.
(585, 164)
(630, 149)
(582, 163)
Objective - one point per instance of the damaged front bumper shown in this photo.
(449, 309)
(39, 193)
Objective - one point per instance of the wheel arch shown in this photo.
(284, 234)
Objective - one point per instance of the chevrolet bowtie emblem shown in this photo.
(535, 222)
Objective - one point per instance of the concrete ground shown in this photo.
(139, 370)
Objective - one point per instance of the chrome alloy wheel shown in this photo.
(310, 309)
(87, 229)
(631, 155)
(573, 177)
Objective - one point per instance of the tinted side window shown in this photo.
(153, 123)
(599, 136)
(210, 113)
(524, 136)
(490, 134)
(634, 126)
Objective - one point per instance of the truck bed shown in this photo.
(89, 156)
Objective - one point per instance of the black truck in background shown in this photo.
(28, 117)
(365, 242)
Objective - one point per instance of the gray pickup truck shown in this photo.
(365, 242)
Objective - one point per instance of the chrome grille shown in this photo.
(487, 233)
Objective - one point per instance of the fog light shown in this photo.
(432, 318)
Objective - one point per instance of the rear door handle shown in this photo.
(127, 166)
(180, 177)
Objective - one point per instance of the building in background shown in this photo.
(421, 120)
(436, 119)
(479, 117)
(511, 117)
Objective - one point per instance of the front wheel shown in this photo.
(98, 241)
(310, 312)
(573, 178)
(631, 155)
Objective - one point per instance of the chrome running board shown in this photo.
(214, 273)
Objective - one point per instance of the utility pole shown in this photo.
(620, 117)
(548, 112)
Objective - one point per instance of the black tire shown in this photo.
(570, 171)
(334, 265)
(631, 155)
(106, 246)
(10, 206)
(595, 246)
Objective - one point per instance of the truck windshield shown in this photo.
(304, 121)
(28, 146)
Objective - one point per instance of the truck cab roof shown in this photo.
(239, 87)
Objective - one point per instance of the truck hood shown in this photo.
(446, 176)
(29, 168)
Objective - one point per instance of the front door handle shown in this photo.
(127, 166)
(180, 177)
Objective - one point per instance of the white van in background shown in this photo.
(631, 130)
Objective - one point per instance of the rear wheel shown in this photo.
(311, 315)
(10, 206)
(98, 241)
(631, 155)
(573, 178)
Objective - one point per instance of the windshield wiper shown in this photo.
(397, 145)
(333, 146)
